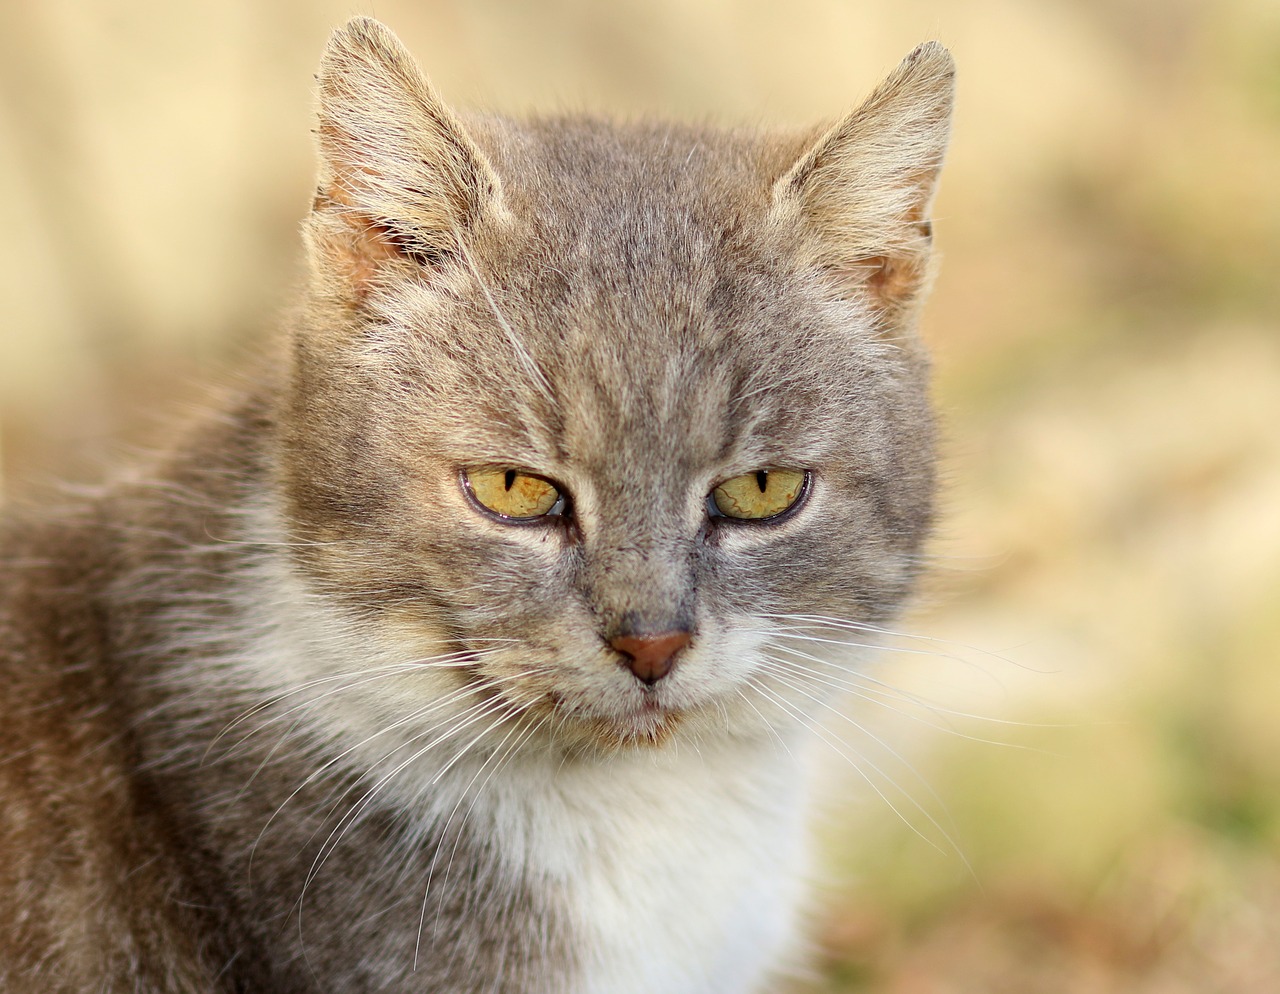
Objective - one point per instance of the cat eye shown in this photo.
(514, 495)
(758, 496)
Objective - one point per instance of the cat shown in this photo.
(473, 644)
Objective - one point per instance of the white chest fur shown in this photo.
(680, 867)
(681, 871)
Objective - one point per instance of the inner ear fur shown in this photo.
(865, 187)
(400, 180)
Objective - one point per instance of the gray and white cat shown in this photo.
(469, 646)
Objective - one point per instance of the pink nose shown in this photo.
(650, 657)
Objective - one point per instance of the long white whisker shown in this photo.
(802, 636)
(414, 715)
(444, 832)
(865, 731)
(458, 660)
(866, 777)
(540, 381)
(333, 761)
(462, 721)
(879, 692)
(767, 723)
(825, 621)
(485, 709)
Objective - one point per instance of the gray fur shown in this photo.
(636, 311)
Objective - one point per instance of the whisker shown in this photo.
(767, 723)
(875, 691)
(878, 740)
(329, 846)
(466, 719)
(847, 624)
(826, 738)
(414, 715)
(802, 636)
(454, 660)
(540, 382)
(444, 832)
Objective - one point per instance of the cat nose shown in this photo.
(650, 657)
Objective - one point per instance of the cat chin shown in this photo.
(649, 725)
(638, 736)
(645, 726)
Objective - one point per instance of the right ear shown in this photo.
(400, 180)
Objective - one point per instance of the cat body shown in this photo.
(317, 703)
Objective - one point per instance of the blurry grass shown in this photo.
(1108, 349)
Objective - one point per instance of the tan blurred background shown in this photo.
(1077, 787)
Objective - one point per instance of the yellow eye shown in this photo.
(765, 493)
(514, 494)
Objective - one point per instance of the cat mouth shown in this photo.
(646, 722)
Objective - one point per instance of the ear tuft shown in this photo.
(397, 169)
(865, 187)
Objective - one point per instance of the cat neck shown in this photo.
(308, 804)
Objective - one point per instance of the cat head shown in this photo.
(591, 413)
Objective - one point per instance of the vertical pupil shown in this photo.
(762, 479)
(510, 478)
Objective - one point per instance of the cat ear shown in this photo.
(399, 177)
(865, 187)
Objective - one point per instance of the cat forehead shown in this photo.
(630, 386)
(636, 295)
(644, 248)
(629, 168)
(637, 208)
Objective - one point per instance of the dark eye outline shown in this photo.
(560, 510)
(718, 516)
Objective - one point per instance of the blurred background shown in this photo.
(1073, 783)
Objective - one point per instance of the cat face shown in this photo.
(543, 368)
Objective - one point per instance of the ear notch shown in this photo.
(400, 179)
(865, 187)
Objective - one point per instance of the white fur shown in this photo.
(681, 864)
(686, 868)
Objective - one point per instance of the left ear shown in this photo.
(865, 188)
